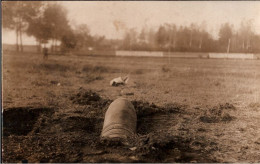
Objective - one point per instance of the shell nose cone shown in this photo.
(120, 120)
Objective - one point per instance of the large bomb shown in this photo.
(120, 120)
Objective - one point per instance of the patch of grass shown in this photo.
(254, 106)
(218, 113)
(139, 71)
(39, 83)
(88, 68)
(165, 69)
(53, 67)
(93, 77)
(99, 69)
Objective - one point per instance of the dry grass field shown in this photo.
(189, 110)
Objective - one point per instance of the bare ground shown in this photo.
(189, 110)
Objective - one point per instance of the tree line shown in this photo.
(193, 38)
(47, 22)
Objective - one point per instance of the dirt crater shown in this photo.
(21, 120)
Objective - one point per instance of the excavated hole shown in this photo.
(21, 120)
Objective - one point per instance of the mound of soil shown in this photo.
(147, 109)
(89, 97)
(220, 113)
(85, 97)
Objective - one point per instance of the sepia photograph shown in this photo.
(130, 82)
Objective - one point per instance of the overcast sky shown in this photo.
(112, 18)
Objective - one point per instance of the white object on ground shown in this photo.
(119, 81)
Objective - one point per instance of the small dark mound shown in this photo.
(91, 99)
(227, 106)
(85, 97)
(147, 109)
(165, 69)
(153, 143)
(21, 120)
(175, 108)
(219, 113)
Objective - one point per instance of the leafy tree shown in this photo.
(84, 38)
(173, 36)
(17, 15)
(55, 19)
(256, 43)
(68, 40)
(130, 39)
(8, 20)
(143, 36)
(225, 34)
(203, 35)
(52, 24)
(152, 39)
(183, 39)
(40, 30)
(99, 41)
(161, 36)
(246, 34)
(192, 30)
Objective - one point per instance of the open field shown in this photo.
(189, 110)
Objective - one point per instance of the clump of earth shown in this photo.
(218, 113)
